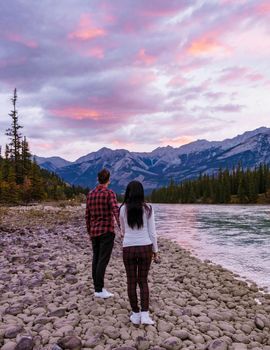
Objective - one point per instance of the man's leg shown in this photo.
(96, 253)
(105, 250)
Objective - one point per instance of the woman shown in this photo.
(139, 246)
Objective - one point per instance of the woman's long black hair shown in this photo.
(134, 202)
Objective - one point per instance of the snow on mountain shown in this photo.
(156, 168)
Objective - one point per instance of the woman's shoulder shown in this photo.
(122, 208)
(148, 209)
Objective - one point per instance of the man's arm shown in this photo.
(114, 206)
(87, 214)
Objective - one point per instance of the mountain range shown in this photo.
(157, 168)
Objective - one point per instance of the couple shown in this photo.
(136, 221)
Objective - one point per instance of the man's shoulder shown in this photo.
(111, 192)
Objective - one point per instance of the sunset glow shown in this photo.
(134, 74)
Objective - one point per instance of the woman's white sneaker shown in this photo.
(145, 318)
(135, 317)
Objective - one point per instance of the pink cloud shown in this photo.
(145, 58)
(18, 38)
(122, 144)
(12, 62)
(263, 8)
(176, 141)
(77, 113)
(86, 30)
(207, 44)
(240, 73)
(96, 51)
(140, 80)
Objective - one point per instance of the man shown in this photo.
(101, 209)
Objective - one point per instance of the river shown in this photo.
(235, 236)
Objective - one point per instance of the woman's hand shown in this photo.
(156, 258)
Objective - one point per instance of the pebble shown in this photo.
(142, 343)
(13, 331)
(47, 292)
(70, 342)
(172, 343)
(25, 343)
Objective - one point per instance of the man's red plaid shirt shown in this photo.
(101, 209)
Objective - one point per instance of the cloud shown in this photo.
(207, 45)
(228, 108)
(86, 30)
(239, 74)
(135, 73)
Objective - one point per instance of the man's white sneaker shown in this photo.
(104, 294)
(107, 293)
(135, 317)
(145, 318)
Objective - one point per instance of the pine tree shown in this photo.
(26, 157)
(15, 139)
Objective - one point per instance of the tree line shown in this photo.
(21, 179)
(236, 186)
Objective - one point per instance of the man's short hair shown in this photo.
(103, 176)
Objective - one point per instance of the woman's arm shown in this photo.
(152, 231)
(121, 217)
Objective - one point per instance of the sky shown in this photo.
(133, 74)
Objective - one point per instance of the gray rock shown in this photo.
(240, 338)
(13, 331)
(142, 343)
(217, 344)
(93, 341)
(172, 343)
(259, 323)
(204, 319)
(25, 343)
(8, 346)
(71, 279)
(42, 320)
(246, 328)
(164, 326)
(225, 326)
(180, 333)
(214, 315)
(70, 342)
(14, 310)
(239, 346)
(197, 339)
(57, 313)
(124, 348)
(112, 332)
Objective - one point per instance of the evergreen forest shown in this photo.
(238, 186)
(21, 179)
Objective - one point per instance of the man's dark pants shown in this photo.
(102, 249)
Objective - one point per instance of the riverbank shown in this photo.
(47, 295)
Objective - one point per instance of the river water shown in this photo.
(235, 236)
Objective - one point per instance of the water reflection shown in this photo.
(238, 237)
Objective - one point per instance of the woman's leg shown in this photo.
(144, 262)
(130, 262)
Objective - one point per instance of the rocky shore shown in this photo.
(46, 294)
